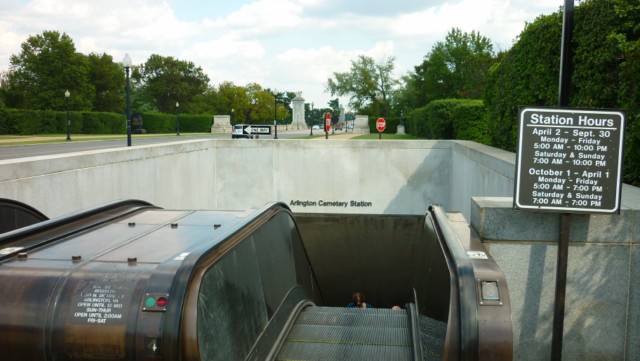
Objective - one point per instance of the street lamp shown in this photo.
(177, 119)
(66, 97)
(126, 62)
(275, 115)
(311, 122)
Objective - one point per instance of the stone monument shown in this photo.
(362, 124)
(297, 105)
(221, 124)
(400, 129)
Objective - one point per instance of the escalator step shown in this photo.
(293, 351)
(363, 318)
(350, 335)
(340, 333)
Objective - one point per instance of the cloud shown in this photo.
(292, 45)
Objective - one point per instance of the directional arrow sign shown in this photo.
(257, 129)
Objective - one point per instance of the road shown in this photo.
(81, 143)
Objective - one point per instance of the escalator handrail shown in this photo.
(414, 322)
(468, 305)
(191, 266)
(11, 203)
(123, 207)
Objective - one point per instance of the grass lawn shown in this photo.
(387, 136)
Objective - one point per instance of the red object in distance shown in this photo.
(381, 124)
(327, 121)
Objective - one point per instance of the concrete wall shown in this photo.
(337, 176)
(389, 177)
(602, 306)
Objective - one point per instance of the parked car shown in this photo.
(316, 127)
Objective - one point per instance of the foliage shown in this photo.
(27, 122)
(369, 85)
(527, 75)
(106, 78)
(450, 119)
(161, 123)
(169, 81)
(455, 68)
(47, 66)
(470, 121)
(605, 72)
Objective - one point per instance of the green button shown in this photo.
(150, 302)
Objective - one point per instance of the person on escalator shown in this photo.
(358, 301)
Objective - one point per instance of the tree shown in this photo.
(455, 68)
(526, 75)
(369, 85)
(233, 99)
(167, 80)
(108, 81)
(606, 68)
(46, 67)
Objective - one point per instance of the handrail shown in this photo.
(414, 321)
(11, 203)
(104, 212)
(194, 266)
(468, 305)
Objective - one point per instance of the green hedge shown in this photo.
(450, 119)
(391, 124)
(158, 123)
(470, 122)
(29, 122)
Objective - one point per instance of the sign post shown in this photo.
(569, 161)
(327, 124)
(380, 125)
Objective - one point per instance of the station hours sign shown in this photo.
(569, 160)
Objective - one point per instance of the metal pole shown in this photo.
(561, 286)
(66, 95)
(177, 119)
(275, 116)
(565, 218)
(126, 70)
(566, 54)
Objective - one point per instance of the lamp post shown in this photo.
(275, 115)
(126, 62)
(66, 97)
(177, 119)
(311, 123)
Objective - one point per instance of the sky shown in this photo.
(284, 45)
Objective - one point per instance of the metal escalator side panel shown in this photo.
(495, 336)
(446, 302)
(231, 293)
(463, 284)
(15, 215)
(485, 308)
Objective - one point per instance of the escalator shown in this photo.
(334, 333)
(131, 281)
(14, 215)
